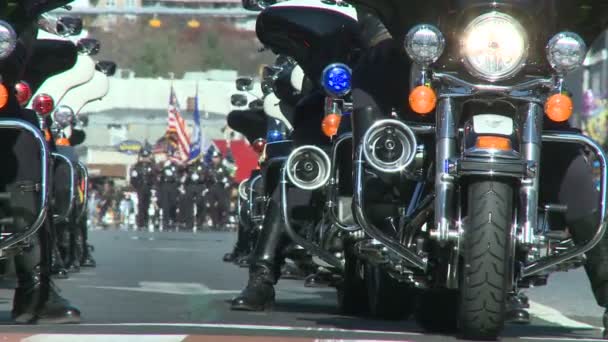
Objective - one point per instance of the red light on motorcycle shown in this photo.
(258, 145)
(493, 143)
(423, 100)
(559, 107)
(3, 95)
(43, 104)
(23, 92)
(330, 124)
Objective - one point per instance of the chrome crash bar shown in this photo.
(371, 230)
(310, 246)
(550, 261)
(44, 194)
(65, 217)
(332, 193)
(85, 176)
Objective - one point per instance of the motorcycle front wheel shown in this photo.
(486, 259)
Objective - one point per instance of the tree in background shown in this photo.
(177, 48)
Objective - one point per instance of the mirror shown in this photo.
(256, 105)
(238, 100)
(69, 26)
(88, 46)
(244, 84)
(107, 67)
(257, 5)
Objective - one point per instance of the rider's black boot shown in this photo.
(516, 309)
(87, 258)
(265, 264)
(597, 258)
(229, 257)
(605, 320)
(259, 293)
(36, 300)
(57, 268)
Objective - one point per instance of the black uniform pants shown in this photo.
(168, 202)
(218, 202)
(143, 204)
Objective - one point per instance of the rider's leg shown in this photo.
(267, 257)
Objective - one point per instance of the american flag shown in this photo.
(177, 129)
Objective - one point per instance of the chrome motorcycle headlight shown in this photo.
(63, 116)
(424, 44)
(8, 39)
(494, 46)
(566, 51)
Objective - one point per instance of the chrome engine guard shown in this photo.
(332, 187)
(550, 261)
(313, 248)
(409, 255)
(59, 218)
(21, 125)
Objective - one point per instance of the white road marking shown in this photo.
(251, 327)
(562, 339)
(549, 314)
(168, 288)
(172, 249)
(103, 338)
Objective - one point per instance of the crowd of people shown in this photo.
(168, 195)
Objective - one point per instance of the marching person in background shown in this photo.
(194, 197)
(168, 193)
(217, 197)
(108, 197)
(143, 175)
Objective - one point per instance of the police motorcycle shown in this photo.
(27, 227)
(67, 137)
(68, 172)
(322, 168)
(283, 85)
(487, 82)
(253, 123)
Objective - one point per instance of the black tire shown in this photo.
(388, 299)
(352, 293)
(484, 283)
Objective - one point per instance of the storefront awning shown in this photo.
(107, 170)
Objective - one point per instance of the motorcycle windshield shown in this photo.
(546, 17)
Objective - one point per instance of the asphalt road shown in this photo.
(174, 286)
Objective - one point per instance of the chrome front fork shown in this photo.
(529, 189)
(446, 140)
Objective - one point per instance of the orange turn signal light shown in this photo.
(331, 124)
(559, 107)
(3, 95)
(47, 135)
(423, 100)
(493, 143)
(62, 142)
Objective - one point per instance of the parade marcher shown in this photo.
(217, 197)
(169, 192)
(196, 176)
(143, 175)
(108, 197)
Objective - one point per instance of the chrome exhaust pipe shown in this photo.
(308, 167)
(409, 255)
(389, 146)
